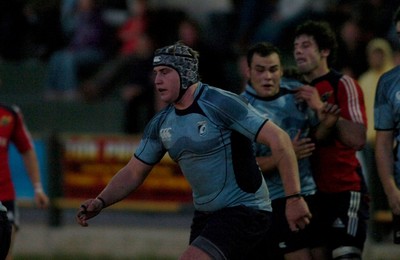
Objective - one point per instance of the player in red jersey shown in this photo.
(13, 129)
(337, 171)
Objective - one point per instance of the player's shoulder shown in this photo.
(290, 83)
(392, 75)
(10, 108)
(218, 97)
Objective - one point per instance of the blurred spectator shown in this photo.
(68, 17)
(211, 62)
(116, 70)
(137, 87)
(45, 29)
(250, 14)
(351, 59)
(286, 16)
(138, 93)
(380, 59)
(375, 16)
(85, 51)
(130, 32)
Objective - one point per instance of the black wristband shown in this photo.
(103, 203)
(296, 195)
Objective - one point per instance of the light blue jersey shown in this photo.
(291, 116)
(387, 110)
(212, 143)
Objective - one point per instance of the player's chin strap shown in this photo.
(182, 92)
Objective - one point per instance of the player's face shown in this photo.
(167, 83)
(307, 55)
(265, 74)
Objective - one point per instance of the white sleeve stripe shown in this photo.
(353, 104)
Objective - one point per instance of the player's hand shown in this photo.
(297, 213)
(394, 201)
(310, 95)
(41, 199)
(303, 147)
(88, 210)
(329, 115)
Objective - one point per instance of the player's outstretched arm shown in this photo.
(127, 180)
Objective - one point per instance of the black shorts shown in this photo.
(286, 241)
(229, 233)
(5, 235)
(12, 212)
(345, 216)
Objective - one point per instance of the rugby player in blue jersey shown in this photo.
(209, 133)
(300, 112)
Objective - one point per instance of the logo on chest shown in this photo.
(202, 128)
(165, 134)
(5, 120)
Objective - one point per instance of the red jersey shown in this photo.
(336, 167)
(12, 129)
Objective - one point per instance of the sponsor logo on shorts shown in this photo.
(282, 245)
(338, 223)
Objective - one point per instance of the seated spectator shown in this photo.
(85, 51)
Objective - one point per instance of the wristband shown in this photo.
(296, 195)
(38, 187)
(103, 203)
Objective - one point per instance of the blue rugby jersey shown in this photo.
(291, 116)
(387, 110)
(212, 142)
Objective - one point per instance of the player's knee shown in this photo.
(346, 253)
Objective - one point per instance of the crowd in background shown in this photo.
(93, 48)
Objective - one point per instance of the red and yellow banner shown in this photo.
(90, 161)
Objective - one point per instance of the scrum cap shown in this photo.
(181, 58)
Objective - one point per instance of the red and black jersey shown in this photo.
(336, 167)
(12, 129)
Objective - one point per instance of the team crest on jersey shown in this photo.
(5, 120)
(165, 134)
(398, 95)
(202, 128)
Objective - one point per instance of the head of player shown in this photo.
(264, 69)
(315, 48)
(176, 70)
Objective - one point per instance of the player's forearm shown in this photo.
(286, 163)
(127, 180)
(32, 166)
(384, 162)
(288, 169)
